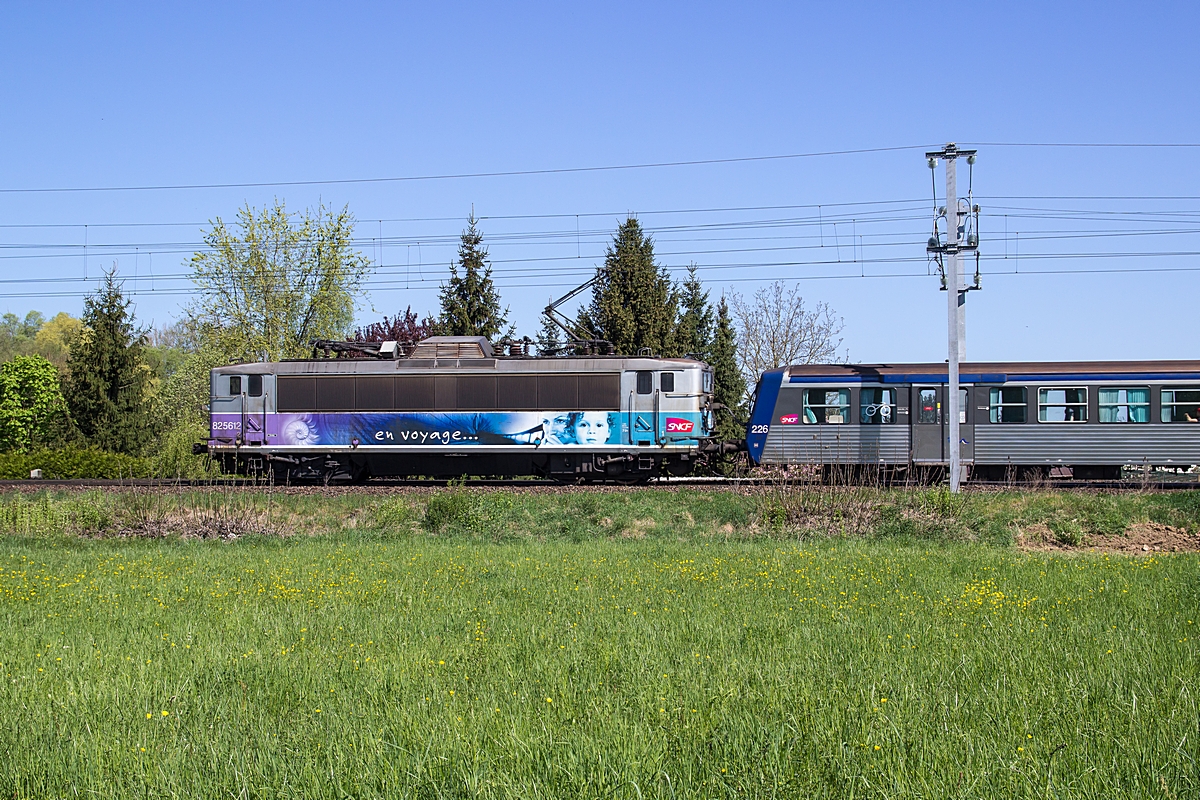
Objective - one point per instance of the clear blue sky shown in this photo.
(167, 94)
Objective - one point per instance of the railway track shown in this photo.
(660, 483)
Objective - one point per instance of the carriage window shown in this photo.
(1007, 404)
(254, 385)
(928, 412)
(235, 385)
(877, 406)
(1062, 405)
(1180, 405)
(645, 382)
(826, 406)
(666, 381)
(1124, 405)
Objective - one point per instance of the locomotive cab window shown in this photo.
(877, 406)
(1062, 405)
(666, 381)
(645, 382)
(826, 406)
(1181, 405)
(254, 385)
(1120, 404)
(1007, 404)
(235, 385)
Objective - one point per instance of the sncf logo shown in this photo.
(790, 419)
(677, 425)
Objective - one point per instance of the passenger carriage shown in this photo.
(1073, 419)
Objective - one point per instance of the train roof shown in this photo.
(451, 352)
(994, 371)
(372, 366)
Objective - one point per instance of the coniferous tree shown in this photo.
(694, 334)
(634, 303)
(729, 388)
(107, 387)
(470, 302)
(549, 339)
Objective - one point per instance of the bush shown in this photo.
(477, 513)
(70, 463)
(173, 453)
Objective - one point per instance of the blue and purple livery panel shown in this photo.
(574, 428)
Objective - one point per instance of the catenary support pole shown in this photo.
(949, 256)
(954, 297)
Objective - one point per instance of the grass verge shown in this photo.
(521, 645)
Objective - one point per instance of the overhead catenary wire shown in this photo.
(462, 175)
(584, 169)
(529, 256)
(506, 280)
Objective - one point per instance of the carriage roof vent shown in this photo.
(450, 347)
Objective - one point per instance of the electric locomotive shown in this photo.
(452, 406)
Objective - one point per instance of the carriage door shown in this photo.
(930, 425)
(928, 441)
(254, 410)
(966, 426)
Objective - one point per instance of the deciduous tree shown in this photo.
(404, 327)
(274, 282)
(56, 337)
(33, 412)
(775, 329)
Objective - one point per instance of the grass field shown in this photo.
(627, 645)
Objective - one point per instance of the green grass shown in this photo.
(599, 645)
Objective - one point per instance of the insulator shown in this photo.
(933, 243)
(973, 240)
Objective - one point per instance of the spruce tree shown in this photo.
(729, 388)
(634, 303)
(470, 302)
(107, 387)
(549, 337)
(693, 335)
